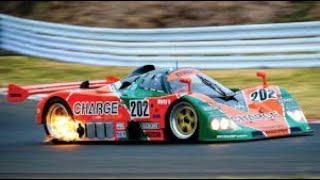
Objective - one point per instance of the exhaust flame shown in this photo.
(64, 129)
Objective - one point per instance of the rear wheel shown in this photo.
(183, 121)
(58, 121)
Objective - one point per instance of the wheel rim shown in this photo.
(60, 124)
(183, 121)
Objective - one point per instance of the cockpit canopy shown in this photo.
(167, 80)
(200, 83)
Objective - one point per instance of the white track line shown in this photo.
(38, 97)
(314, 121)
(3, 91)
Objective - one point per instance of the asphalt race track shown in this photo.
(24, 154)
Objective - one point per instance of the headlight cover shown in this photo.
(223, 124)
(297, 115)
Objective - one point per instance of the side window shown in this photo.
(153, 81)
(146, 81)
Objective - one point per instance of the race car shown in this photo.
(163, 104)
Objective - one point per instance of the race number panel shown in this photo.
(263, 94)
(139, 108)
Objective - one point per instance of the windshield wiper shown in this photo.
(218, 89)
(212, 85)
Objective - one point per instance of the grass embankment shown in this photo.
(303, 83)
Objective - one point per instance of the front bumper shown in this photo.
(246, 135)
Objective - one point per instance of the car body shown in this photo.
(164, 104)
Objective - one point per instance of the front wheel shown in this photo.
(58, 121)
(183, 121)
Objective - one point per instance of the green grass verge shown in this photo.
(303, 83)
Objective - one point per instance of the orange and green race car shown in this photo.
(165, 104)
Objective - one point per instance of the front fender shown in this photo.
(290, 105)
(205, 113)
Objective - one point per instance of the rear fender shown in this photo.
(41, 105)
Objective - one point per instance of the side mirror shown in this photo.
(262, 74)
(188, 82)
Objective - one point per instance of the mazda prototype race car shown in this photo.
(163, 104)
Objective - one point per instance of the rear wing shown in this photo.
(18, 93)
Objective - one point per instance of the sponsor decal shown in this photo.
(276, 131)
(254, 117)
(150, 125)
(96, 108)
(291, 106)
(120, 126)
(231, 136)
(156, 116)
(209, 108)
(163, 101)
(272, 127)
(139, 108)
(153, 134)
(183, 73)
(180, 73)
(263, 94)
(121, 134)
(285, 100)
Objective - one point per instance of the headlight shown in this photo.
(223, 124)
(297, 115)
(215, 124)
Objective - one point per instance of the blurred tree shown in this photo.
(22, 8)
(149, 14)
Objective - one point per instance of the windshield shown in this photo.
(201, 83)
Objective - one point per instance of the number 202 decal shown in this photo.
(139, 108)
(263, 94)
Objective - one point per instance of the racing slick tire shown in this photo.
(183, 122)
(58, 119)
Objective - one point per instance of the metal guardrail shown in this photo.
(222, 47)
